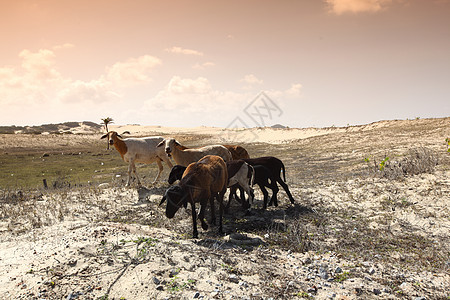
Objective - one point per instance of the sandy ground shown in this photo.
(90, 253)
(243, 135)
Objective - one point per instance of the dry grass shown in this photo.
(416, 161)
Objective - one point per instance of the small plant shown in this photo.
(174, 286)
(146, 241)
(228, 268)
(342, 276)
(303, 294)
(383, 163)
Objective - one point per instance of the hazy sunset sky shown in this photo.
(193, 63)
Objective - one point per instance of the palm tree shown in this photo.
(106, 121)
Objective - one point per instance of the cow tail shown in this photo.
(252, 176)
(284, 171)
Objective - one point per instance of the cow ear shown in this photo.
(176, 143)
(162, 200)
(160, 144)
(104, 136)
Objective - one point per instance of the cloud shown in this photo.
(250, 80)
(295, 90)
(179, 50)
(184, 94)
(95, 91)
(39, 65)
(37, 81)
(187, 102)
(203, 66)
(178, 85)
(63, 46)
(340, 7)
(194, 102)
(132, 71)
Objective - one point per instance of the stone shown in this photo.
(233, 278)
(214, 294)
(174, 272)
(156, 280)
(323, 274)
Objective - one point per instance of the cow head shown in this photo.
(112, 136)
(175, 198)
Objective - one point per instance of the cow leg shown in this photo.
(285, 187)
(167, 161)
(201, 216)
(235, 187)
(132, 169)
(230, 196)
(246, 203)
(160, 167)
(251, 195)
(265, 193)
(273, 186)
(213, 212)
(220, 199)
(194, 221)
(136, 175)
(242, 193)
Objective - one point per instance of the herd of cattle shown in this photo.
(204, 174)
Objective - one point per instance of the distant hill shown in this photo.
(61, 128)
(279, 126)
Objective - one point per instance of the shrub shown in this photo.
(416, 161)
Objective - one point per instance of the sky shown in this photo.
(245, 63)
